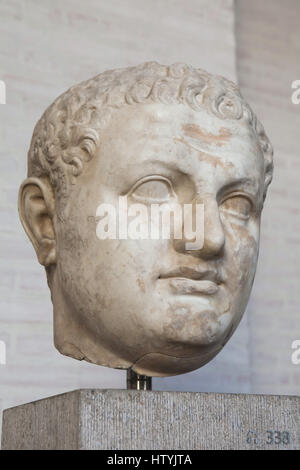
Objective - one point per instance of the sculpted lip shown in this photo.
(190, 286)
(192, 281)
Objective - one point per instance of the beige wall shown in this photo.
(47, 46)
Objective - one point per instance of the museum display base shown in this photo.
(130, 419)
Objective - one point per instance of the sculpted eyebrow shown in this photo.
(169, 166)
(245, 183)
(153, 165)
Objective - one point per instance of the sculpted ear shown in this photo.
(36, 210)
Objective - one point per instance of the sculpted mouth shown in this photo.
(191, 273)
(189, 286)
(185, 280)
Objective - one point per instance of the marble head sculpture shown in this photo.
(153, 134)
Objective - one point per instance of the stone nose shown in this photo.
(210, 242)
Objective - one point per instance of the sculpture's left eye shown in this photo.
(238, 206)
(152, 189)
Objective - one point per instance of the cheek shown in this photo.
(242, 242)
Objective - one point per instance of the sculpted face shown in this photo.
(152, 303)
(155, 136)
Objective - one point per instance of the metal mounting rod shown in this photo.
(137, 381)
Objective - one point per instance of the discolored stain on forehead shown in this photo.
(196, 132)
(213, 160)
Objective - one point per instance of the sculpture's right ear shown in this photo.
(36, 210)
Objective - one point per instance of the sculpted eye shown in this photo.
(238, 206)
(154, 189)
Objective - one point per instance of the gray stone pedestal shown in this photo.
(129, 419)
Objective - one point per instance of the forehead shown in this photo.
(193, 142)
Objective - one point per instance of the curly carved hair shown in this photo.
(68, 133)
